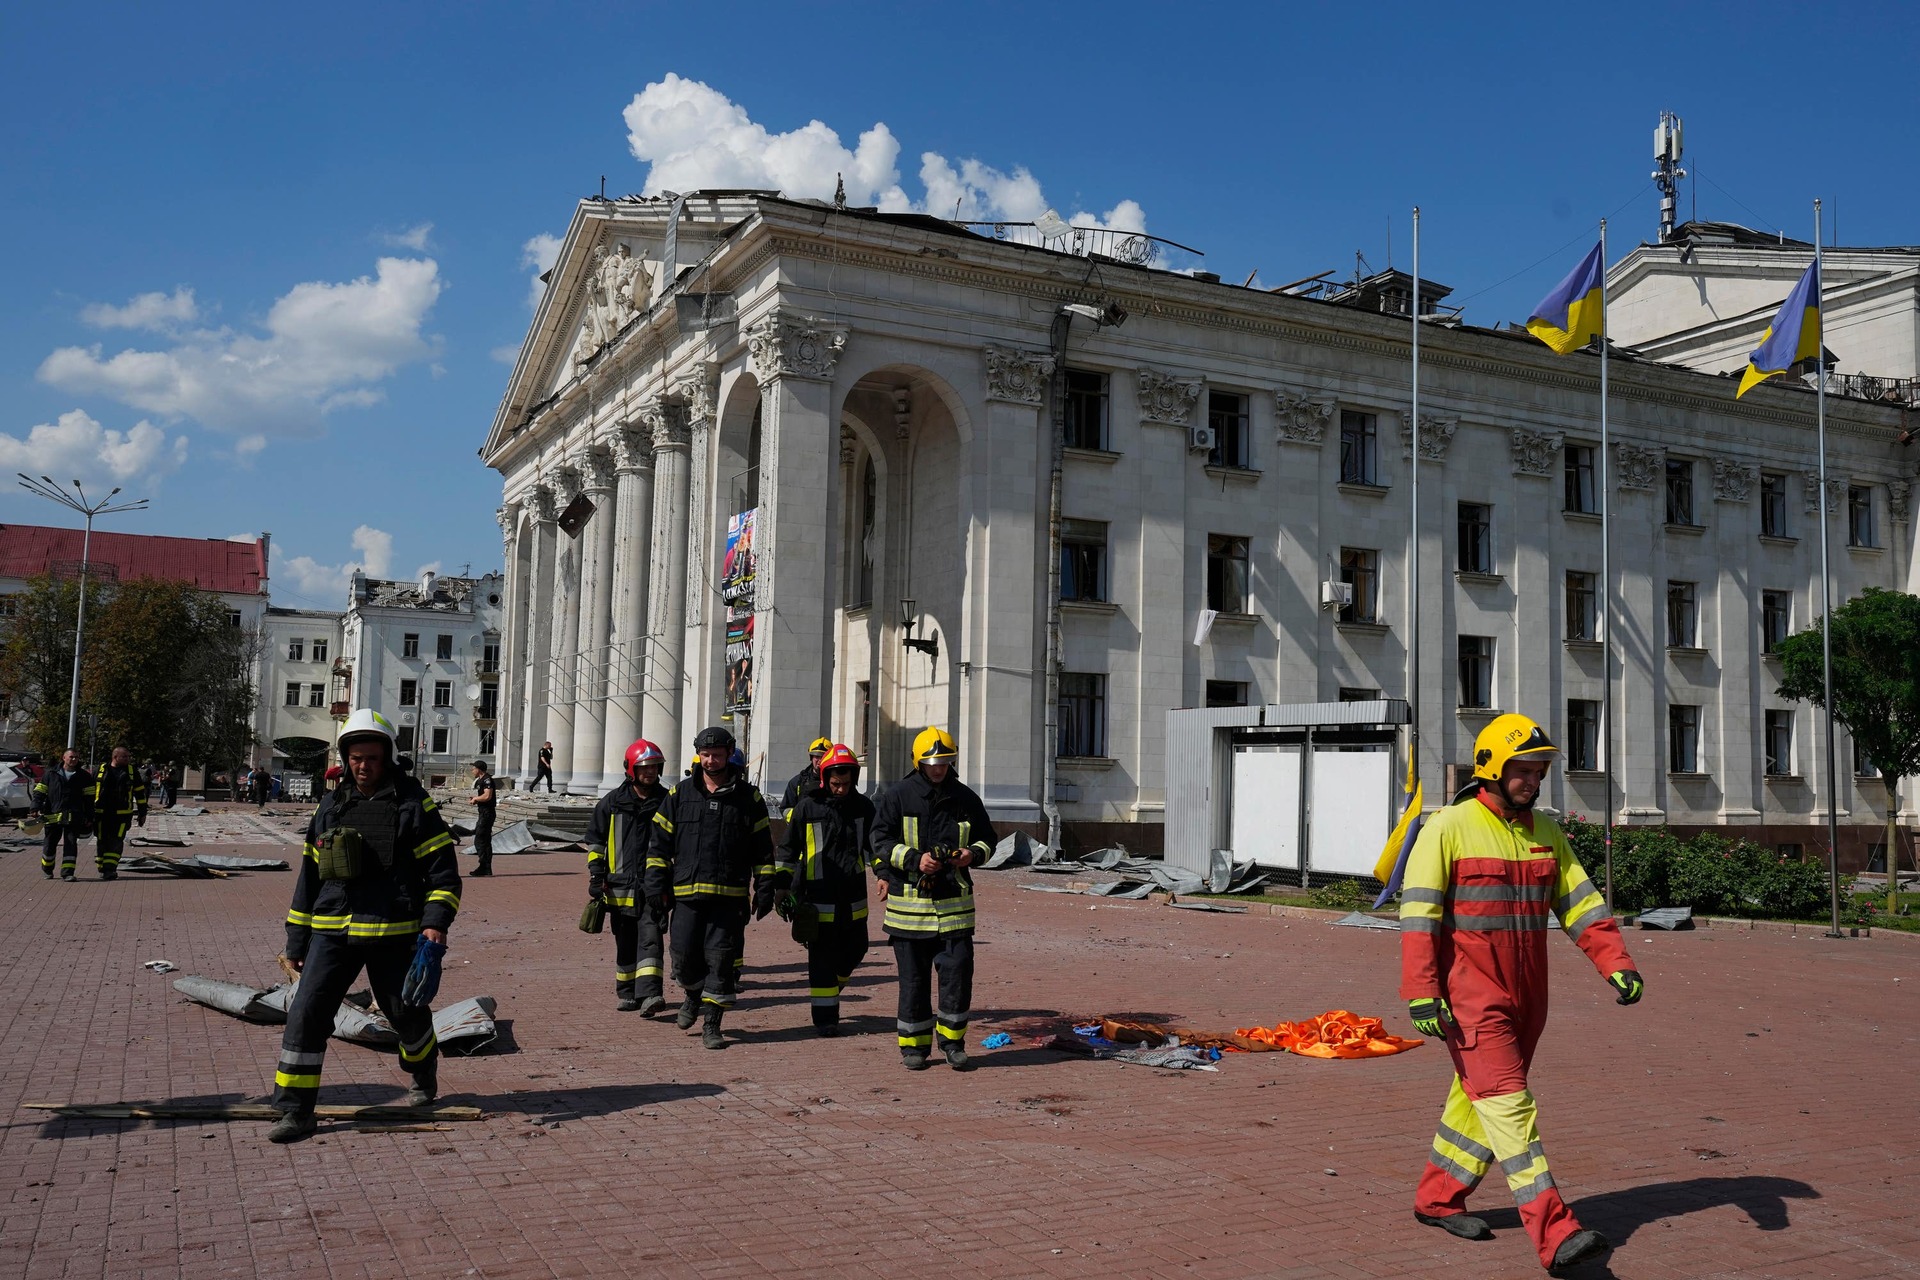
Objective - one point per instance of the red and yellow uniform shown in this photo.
(1473, 932)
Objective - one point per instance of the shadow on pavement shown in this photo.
(591, 1100)
(858, 1025)
(1037, 1057)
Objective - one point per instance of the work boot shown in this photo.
(1464, 1225)
(68, 876)
(652, 1005)
(109, 875)
(826, 1030)
(627, 1004)
(689, 1012)
(710, 1034)
(957, 1055)
(484, 869)
(1579, 1247)
(47, 872)
(913, 1060)
(426, 1087)
(292, 1126)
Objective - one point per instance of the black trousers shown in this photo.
(333, 963)
(53, 840)
(636, 953)
(110, 840)
(709, 946)
(483, 837)
(831, 959)
(545, 771)
(951, 954)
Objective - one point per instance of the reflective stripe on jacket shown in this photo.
(420, 891)
(63, 800)
(617, 840)
(120, 790)
(824, 853)
(912, 817)
(710, 844)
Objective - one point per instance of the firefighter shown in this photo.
(1479, 883)
(928, 829)
(119, 797)
(621, 830)
(823, 859)
(803, 782)
(711, 843)
(63, 798)
(379, 873)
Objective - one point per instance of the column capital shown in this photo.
(545, 505)
(787, 344)
(507, 516)
(666, 421)
(700, 393)
(633, 449)
(598, 468)
(1018, 376)
(564, 481)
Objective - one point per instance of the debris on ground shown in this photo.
(998, 1040)
(162, 842)
(159, 966)
(1667, 918)
(153, 864)
(1209, 906)
(1334, 1034)
(1361, 920)
(1086, 1041)
(244, 1111)
(465, 1027)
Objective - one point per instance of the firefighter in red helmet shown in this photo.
(621, 830)
(823, 862)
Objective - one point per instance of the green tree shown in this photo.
(36, 657)
(159, 660)
(1876, 687)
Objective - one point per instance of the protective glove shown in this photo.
(423, 975)
(1431, 1017)
(596, 885)
(1629, 986)
(763, 899)
(783, 906)
(662, 911)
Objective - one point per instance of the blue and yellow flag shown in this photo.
(1393, 857)
(1573, 314)
(1793, 336)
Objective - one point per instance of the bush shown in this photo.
(1710, 873)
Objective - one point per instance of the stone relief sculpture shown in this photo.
(619, 287)
(1836, 494)
(1301, 417)
(1436, 434)
(783, 344)
(1019, 376)
(1638, 466)
(1898, 491)
(1536, 452)
(1167, 398)
(1733, 480)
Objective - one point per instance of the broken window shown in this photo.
(1359, 447)
(1229, 415)
(1360, 569)
(1226, 573)
(1086, 409)
(296, 650)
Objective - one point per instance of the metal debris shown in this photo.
(466, 1026)
(159, 966)
(1667, 918)
(1361, 920)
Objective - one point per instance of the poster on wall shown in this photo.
(736, 589)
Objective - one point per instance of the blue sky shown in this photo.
(267, 259)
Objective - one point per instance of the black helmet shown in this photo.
(713, 736)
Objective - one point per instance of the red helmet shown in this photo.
(643, 752)
(839, 756)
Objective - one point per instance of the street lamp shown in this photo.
(46, 488)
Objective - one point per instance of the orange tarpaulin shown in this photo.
(1335, 1034)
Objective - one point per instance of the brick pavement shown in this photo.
(1744, 1120)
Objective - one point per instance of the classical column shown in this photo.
(511, 636)
(596, 615)
(536, 675)
(667, 611)
(794, 358)
(627, 637)
(565, 607)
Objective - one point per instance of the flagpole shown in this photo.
(1826, 584)
(1606, 573)
(1413, 540)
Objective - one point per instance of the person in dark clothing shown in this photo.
(545, 770)
(483, 808)
(63, 798)
(119, 797)
(617, 840)
(928, 829)
(379, 873)
(823, 860)
(806, 780)
(712, 839)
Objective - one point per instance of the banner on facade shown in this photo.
(736, 589)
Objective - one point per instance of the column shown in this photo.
(704, 626)
(537, 674)
(511, 636)
(596, 615)
(667, 607)
(565, 607)
(627, 634)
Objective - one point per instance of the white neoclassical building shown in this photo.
(880, 391)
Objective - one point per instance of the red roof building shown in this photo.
(210, 564)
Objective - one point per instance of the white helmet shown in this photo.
(364, 723)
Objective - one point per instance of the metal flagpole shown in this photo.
(1606, 572)
(1413, 538)
(1826, 582)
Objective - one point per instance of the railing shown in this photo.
(1862, 386)
(340, 710)
(1135, 248)
(484, 670)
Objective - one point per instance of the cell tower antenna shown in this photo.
(1666, 154)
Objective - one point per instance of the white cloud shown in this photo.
(414, 238)
(76, 447)
(431, 566)
(324, 346)
(537, 255)
(328, 582)
(507, 354)
(162, 311)
(692, 136)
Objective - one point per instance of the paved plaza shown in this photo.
(1752, 1117)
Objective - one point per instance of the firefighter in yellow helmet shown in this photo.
(1480, 883)
(928, 829)
(807, 780)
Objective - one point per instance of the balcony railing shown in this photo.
(485, 670)
(1863, 386)
(340, 710)
(1135, 248)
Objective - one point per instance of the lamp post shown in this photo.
(77, 501)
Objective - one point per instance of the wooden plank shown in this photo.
(242, 1111)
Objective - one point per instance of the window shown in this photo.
(1086, 410)
(1226, 693)
(439, 740)
(319, 650)
(490, 702)
(1860, 516)
(1229, 416)
(1679, 491)
(1083, 559)
(1863, 765)
(1352, 694)
(1476, 538)
(1773, 506)
(1790, 852)
(869, 512)
(1083, 714)
(233, 617)
(863, 691)
(9, 606)
(1779, 744)
(1359, 447)
(443, 693)
(490, 656)
(296, 650)
(1776, 619)
(1683, 739)
(1583, 734)
(1226, 573)
(486, 742)
(403, 740)
(1683, 616)
(1581, 493)
(442, 648)
(1476, 671)
(1360, 569)
(1582, 607)
(293, 693)
(316, 695)
(409, 646)
(409, 692)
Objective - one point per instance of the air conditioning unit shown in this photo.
(1336, 595)
(1200, 439)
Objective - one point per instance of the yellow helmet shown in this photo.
(933, 744)
(819, 746)
(1504, 738)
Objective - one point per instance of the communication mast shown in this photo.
(1666, 154)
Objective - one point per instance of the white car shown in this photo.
(16, 788)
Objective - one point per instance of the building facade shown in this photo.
(880, 392)
(296, 725)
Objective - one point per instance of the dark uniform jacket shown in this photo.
(409, 879)
(482, 785)
(710, 844)
(617, 841)
(824, 855)
(914, 816)
(798, 785)
(66, 800)
(120, 792)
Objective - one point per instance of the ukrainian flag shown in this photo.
(1573, 314)
(1393, 858)
(1793, 336)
